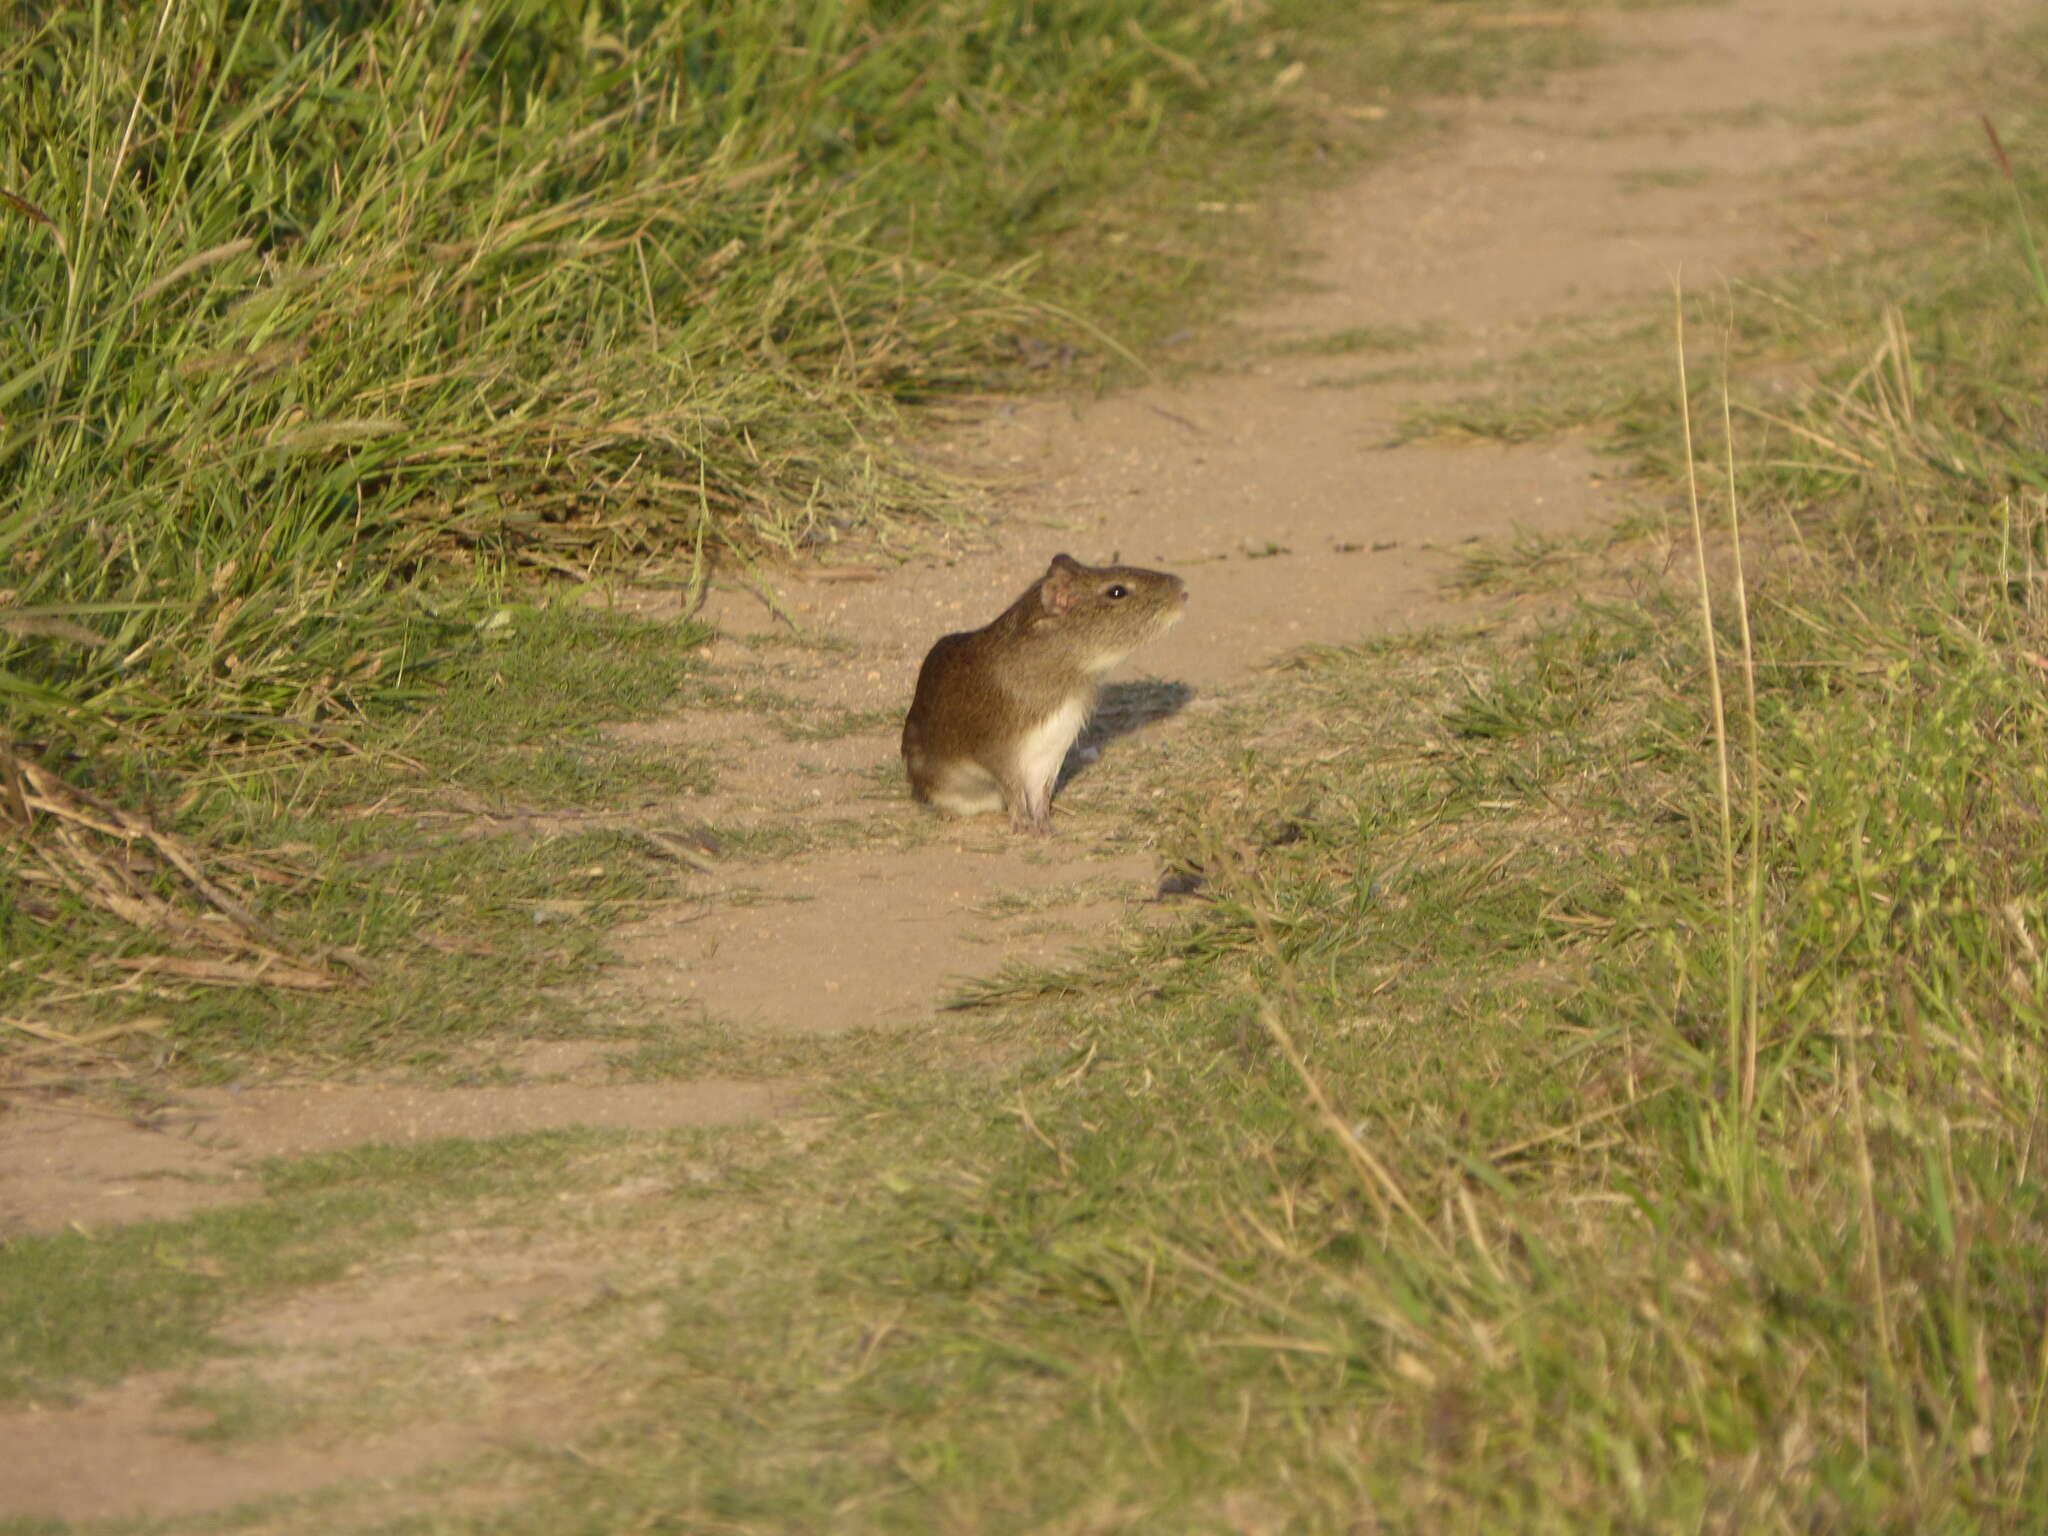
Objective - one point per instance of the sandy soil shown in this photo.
(1695, 148)
(63, 1165)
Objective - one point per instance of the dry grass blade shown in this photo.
(266, 972)
(116, 860)
(13, 797)
(29, 210)
(2026, 228)
(1870, 1240)
(1753, 915)
(57, 1037)
(1799, 429)
(16, 622)
(1380, 1185)
(72, 1054)
(1710, 650)
(184, 269)
(1376, 1180)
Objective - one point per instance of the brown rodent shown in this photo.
(997, 707)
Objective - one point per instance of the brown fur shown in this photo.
(994, 705)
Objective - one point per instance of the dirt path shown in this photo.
(833, 904)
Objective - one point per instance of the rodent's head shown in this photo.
(1107, 611)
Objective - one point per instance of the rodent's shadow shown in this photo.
(1120, 709)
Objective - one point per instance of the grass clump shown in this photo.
(451, 862)
(83, 1309)
(89, 1309)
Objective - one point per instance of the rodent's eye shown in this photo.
(1119, 590)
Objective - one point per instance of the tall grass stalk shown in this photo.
(1871, 1241)
(2019, 209)
(1740, 1060)
(1753, 925)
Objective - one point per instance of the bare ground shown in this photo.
(1697, 148)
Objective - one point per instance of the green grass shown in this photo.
(439, 847)
(1603, 374)
(82, 1309)
(519, 714)
(1364, 338)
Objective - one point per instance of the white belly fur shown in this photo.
(1045, 745)
(964, 788)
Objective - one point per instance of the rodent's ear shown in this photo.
(1056, 587)
(1065, 563)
